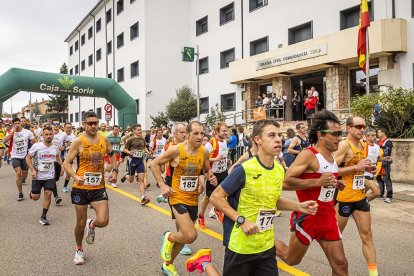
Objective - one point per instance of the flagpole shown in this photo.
(367, 61)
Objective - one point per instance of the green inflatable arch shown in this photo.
(15, 80)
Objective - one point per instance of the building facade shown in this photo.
(246, 48)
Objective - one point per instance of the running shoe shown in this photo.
(90, 236)
(148, 185)
(79, 257)
(211, 214)
(58, 200)
(200, 222)
(166, 247)
(195, 263)
(65, 189)
(20, 198)
(169, 269)
(114, 185)
(186, 250)
(388, 200)
(123, 179)
(219, 216)
(145, 200)
(161, 199)
(43, 221)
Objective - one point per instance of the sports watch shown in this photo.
(240, 220)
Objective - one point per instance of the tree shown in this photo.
(216, 115)
(160, 120)
(36, 109)
(58, 103)
(184, 107)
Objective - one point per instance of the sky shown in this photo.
(32, 35)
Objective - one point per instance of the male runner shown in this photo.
(298, 143)
(135, 148)
(187, 160)
(70, 137)
(41, 162)
(36, 130)
(157, 145)
(2, 145)
(314, 176)
(115, 139)
(59, 140)
(89, 182)
(351, 154)
(375, 155)
(217, 147)
(249, 197)
(20, 143)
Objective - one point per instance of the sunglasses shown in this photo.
(359, 127)
(334, 133)
(92, 123)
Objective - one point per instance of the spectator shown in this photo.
(296, 106)
(259, 102)
(282, 104)
(232, 144)
(310, 104)
(290, 135)
(384, 177)
(316, 94)
(274, 104)
(377, 113)
(266, 103)
(240, 146)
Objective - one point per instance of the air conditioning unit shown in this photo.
(242, 86)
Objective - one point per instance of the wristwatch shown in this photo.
(240, 220)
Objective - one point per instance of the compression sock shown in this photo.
(372, 269)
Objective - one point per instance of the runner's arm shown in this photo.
(29, 163)
(241, 159)
(340, 157)
(299, 166)
(7, 138)
(307, 207)
(293, 144)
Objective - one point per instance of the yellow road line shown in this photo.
(283, 266)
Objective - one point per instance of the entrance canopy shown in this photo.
(15, 80)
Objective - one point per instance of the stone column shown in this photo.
(337, 88)
(284, 83)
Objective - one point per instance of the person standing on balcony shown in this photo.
(296, 106)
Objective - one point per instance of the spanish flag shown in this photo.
(364, 23)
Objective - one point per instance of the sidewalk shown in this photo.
(404, 192)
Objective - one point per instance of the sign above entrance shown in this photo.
(311, 52)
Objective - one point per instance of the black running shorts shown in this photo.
(85, 197)
(345, 209)
(37, 185)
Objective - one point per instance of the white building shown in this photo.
(139, 42)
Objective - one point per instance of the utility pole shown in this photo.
(198, 83)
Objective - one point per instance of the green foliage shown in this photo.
(58, 103)
(184, 107)
(397, 111)
(216, 115)
(160, 120)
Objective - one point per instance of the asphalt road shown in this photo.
(130, 244)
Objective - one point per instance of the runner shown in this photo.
(248, 197)
(36, 130)
(89, 182)
(59, 140)
(217, 147)
(298, 143)
(115, 139)
(156, 146)
(2, 146)
(352, 200)
(375, 155)
(187, 160)
(19, 146)
(41, 162)
(70, 137)
(135, 148)
(314, 176)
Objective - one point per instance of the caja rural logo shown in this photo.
(66, 83)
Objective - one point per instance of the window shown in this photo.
(109, 47)
(204, 105)
(358, 81)
(131, 1)
(76, 69)
(255, 4)
(137, 103)
(98, 25)
(71, 71)
(90, 32)
(203, 65)
(90, 60)
(99, 112)
(119, 6)
(76, 45)
(350, 17)
(108, 16)
(109, 75)
(300, 33)
(120, 75)
(71, 117)
(134, 69)
(201, 26)
(77, 117)
(82, 39)
(98, 54)
(120, 40)
(133, 31)
(71, 50)
(227, 13)
(83, 65)
(226, 57)
(228, 102)
(259, 46)
(71, 98)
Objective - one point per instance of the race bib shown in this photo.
(19, 145)
(137, 153)
(92, 179)
(46, 166)
(326, 194)
(358, 182)
(265, 219)
(188, 183)
(158, 150)
(115, 147)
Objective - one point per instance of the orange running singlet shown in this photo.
(185, 177)
(91, 164)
